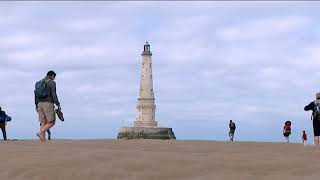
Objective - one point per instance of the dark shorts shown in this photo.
(232, 131)
(316, 127)
(286, 134)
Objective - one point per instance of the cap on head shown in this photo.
(318, 95)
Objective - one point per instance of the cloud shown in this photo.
(309, 58)
(21, 39)
(89, 24)
(71, 56)
(263, 28)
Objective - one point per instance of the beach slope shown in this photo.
(156, 160)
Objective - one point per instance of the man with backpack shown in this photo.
(232, 127)
(314, 106)
(45, 98)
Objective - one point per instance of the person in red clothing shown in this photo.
(287, 130)
(304, 137)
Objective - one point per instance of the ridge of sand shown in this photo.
(156, 159)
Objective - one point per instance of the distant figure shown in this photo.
(287, 130)
(45, 98)
(304, 138)
(3, 123)
(232, 127)
(314, 106)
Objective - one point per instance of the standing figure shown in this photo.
(45, 98)
(304, 138)
(314, 106)
(232, 127)
(3, 123)
(287, 130)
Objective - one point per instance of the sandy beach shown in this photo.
(156, 159)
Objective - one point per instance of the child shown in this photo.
(304, 138)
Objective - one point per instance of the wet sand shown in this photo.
(156, 159)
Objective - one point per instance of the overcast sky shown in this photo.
(254, 62)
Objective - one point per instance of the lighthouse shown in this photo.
(146, 102)
(145, 124)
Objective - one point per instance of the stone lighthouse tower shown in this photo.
(145, 125)
(146, 107)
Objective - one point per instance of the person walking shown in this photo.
(287, 130)
(304, 138)
(45, 99)
(3, 123)
(232, 127)
(314, 106)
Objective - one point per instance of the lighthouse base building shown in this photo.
(145, 133)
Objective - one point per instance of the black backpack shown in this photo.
(316, 110)
(232, 126)
(40, 90)
(3, 116)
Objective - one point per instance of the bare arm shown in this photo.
(35, 101)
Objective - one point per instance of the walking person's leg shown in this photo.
(41, 136)
(49, 134)
(316, 132)
(232, 135)
(48, 111)
(4, 133)
(41, 126)
(286, 136)
(3, 129)
(316, 141)
(42, 119)
(50, 116)
(46, 127)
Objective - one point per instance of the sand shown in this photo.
(156, 159)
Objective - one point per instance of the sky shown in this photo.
(256, 63)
